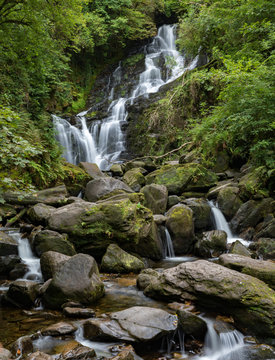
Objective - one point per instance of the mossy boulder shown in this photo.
(265, 248)
(212, 244)
(248, 300)
(186, 177)
(77, 279)
(93, 227)
(91, 169)
(180, 224)
(134, 178)
(8, 246)
(75, 178)
(266, 230)
(40, 213)
(47, 240)
(201, 212)
(192, 324)
(134, 164)
(252, 184)
(238, 248)
(156, 197)
(117, 260)
(229, 201)
(263, 270)
(116, 170)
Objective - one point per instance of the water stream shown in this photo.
(221, 224)
(103, 141)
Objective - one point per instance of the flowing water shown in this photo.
(27, 257)
(103, 141)
(221, 224)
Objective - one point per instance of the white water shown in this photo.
(27, 256)
(104, 141)
(168, 248)
(222, 224)
(223, 346)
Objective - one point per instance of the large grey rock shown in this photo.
(116, 170)
(248, 300)
(40, 213)
(91, 169)
(181, 227)
(77, 279)
(212, 244)
(263, 270)
(156, 197)
(136, 324)
(201, 213)
(239, 249)
(117, 260)
(8, 246)
(23, 293)
(5, 354)
(93, 227)
(229, 201)
(79, 352)
(50, 262)
(48, 240)
(267, 230)
(39, 355)
(59, 329)
(101, 187)
(134, 178)
(251, 213)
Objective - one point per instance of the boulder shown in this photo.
(93, 227)
(201, 213)
(116, 170)
(7, 263)
(221, 161)
(76, 312)
(79, 352)
(156, 197)
(251, 213)
(117, 260)
(40, 213)
(212, 244)
(228, 201)
(134, 178)
(23, 293)
(179, 178)
(77, 279)
(18, 271)
(134, 164)
(192, 324)
(59, 329)
(248, 300)
(54, 196)
(267, 230)
(39, 355)
(5, 354)
(214, 192)
(48, 240)
(239, 249)
(263, 270)
(98, 188)
(136, 324)
(265, 248)
(50, 262)
(8, 246)
(173, 200)
(181, 228)
(160, 219)
(91, 169)
(145, 277)
(22, 345)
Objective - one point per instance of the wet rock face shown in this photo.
(117, 260)
(263, 270)
(23, 293)
(76, 280)
(48, 240)
(8, 246)
(229, 201)
(136, 324)
(248, 300)
(192, 324)
(50, 262)
(181, 227)
(201, 211)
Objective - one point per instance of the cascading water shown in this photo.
(221, 224)
(104, 141)
(27, 256)
(168, 248)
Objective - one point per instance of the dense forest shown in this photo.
(51, 52)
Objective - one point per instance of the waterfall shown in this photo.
(224, 346)
(221, 224)
(27, 256)
(168, 248)
(103, 142)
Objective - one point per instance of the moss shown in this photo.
(74, 178)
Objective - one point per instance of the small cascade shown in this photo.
(103, 142)
(224, 346)
(168, 248)
(221, 224)
(27, 256)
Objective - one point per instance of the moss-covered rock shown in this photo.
(201, 211)
(93, 227)
(134, 178)
(252, 184)
(186, 177)
(180, 224)
(229, 201)
(117, 260)
(192, 324)
(156, 197)
(116, 170)
(40, 213)
(75, 178)
(239, 249)
(212, 244)
(6, 211)
(265, 248)
(47, 240)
